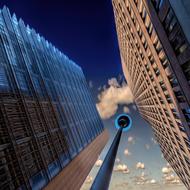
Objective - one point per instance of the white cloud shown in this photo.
(131, 140)
(89, 179)
(144, 179)
(152, 181)
(111, 97)
(141, 180)
(169, 177)
(126, 109)
(165, 170)
(113, 82)
(98, 163)
(122, 168)
(140, 165)
(126, 152)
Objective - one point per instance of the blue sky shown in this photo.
(85, 31)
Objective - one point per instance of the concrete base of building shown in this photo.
(74, 174)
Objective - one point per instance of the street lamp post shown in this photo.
(123, 123)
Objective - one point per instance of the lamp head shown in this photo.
(123, 121)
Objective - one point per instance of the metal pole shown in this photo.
(103, 177)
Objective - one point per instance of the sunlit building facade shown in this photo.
(154, 46)
(49, 125)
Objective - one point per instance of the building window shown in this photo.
(168, 19)
(179, 96)
(186, 69)
(182, 48)
(178, 40)
(140, 6)
(163, 86)
(144, 14)
(3, 78)
(172, 24)
(178, 43)
(157, 4)
(186, 112)
(173, 80)
(22, 81)
(150, 28)
(168, 98)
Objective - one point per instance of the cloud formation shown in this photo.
(126, 109)
(126, 152)
(140, 165)
(89, 179)
(165, 170)
(98, 163)
(144, 179)
(169, 177)
(152, 181)
(112, 96)
(121, 168)
(131, 140)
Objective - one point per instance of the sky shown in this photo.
(85, 31)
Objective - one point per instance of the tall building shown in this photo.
(154, 38)
(50, 131)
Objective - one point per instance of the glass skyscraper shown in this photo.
(47, 114)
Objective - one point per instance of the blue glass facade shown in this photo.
(47, 114)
